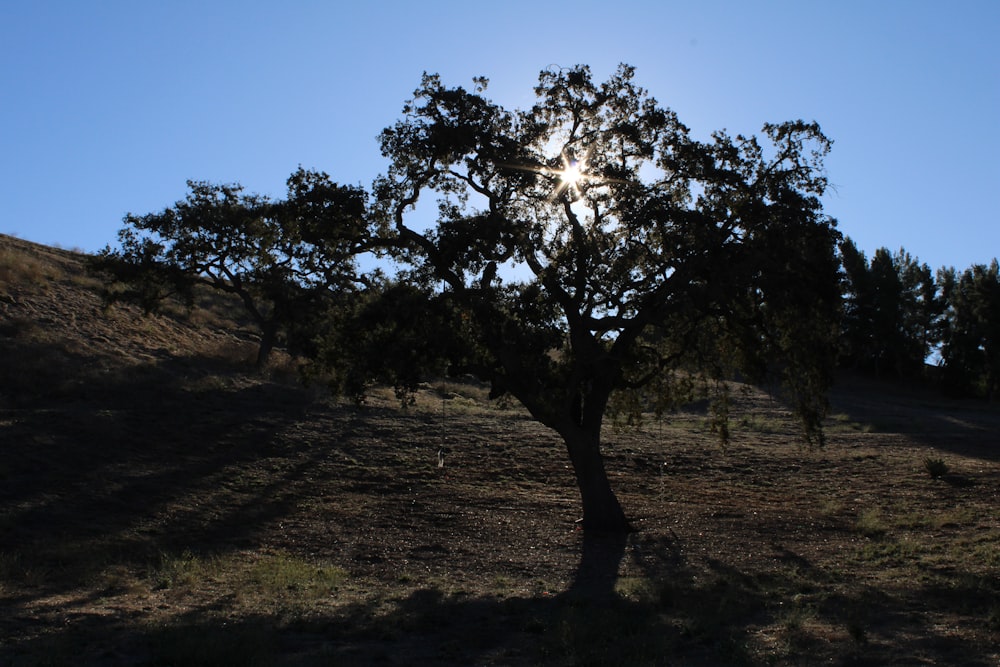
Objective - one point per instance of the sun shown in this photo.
(572, 176)
(572, 173)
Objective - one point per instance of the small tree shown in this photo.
(276, 256)
(971, 330)
(590, 246)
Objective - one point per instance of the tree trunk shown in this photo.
(268, 338)
(601, 510)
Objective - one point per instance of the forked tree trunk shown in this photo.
(601, 510)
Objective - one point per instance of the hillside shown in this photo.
(163, 503)
(62, 342)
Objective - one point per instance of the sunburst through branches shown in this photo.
(571, 178)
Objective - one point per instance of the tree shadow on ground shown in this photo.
(678, 613)
(83, 477)
(589, 624)
(136, 465)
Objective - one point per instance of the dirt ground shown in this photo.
(161, 503)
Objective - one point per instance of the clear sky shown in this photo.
(108, 107)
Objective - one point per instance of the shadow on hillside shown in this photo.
(587, 624)
(964, 427)
(134, 462)
(708, 616)
(118, 466)
(55, 375)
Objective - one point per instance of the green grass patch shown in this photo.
(756, 423)
(282, 574)
(843, 423)
(951, 518)
(888, 553)
(988, 553)
(184, 570)
(270, 576)
(871, 523)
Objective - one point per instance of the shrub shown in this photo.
(935, 467)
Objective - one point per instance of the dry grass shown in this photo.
(161, 503)
(21, 268)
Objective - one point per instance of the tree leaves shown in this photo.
(268, 253)
(717, 249)
(971, 331)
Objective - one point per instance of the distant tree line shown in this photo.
(902, 320)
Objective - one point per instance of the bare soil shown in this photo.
(162, 503)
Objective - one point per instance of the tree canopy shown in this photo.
(591, 246)
(971, 331)
(276, 256)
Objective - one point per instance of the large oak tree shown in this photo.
(591, 248)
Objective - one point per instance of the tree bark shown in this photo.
(268, 338)
(601, 510)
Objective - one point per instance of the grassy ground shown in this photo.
(161, 504)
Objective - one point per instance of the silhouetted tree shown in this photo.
(589, 246)
(891, 312)
(970, 349)
(858, 347)
(278, 257)
(923, 309)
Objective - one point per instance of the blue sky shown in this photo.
(109, 107)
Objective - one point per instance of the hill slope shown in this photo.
(60, 342)
(161, 503)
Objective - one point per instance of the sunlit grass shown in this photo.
(842, 423)
(20, 268)
(286, 575)
(265, 578)
(871, 523)
(184, 570)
